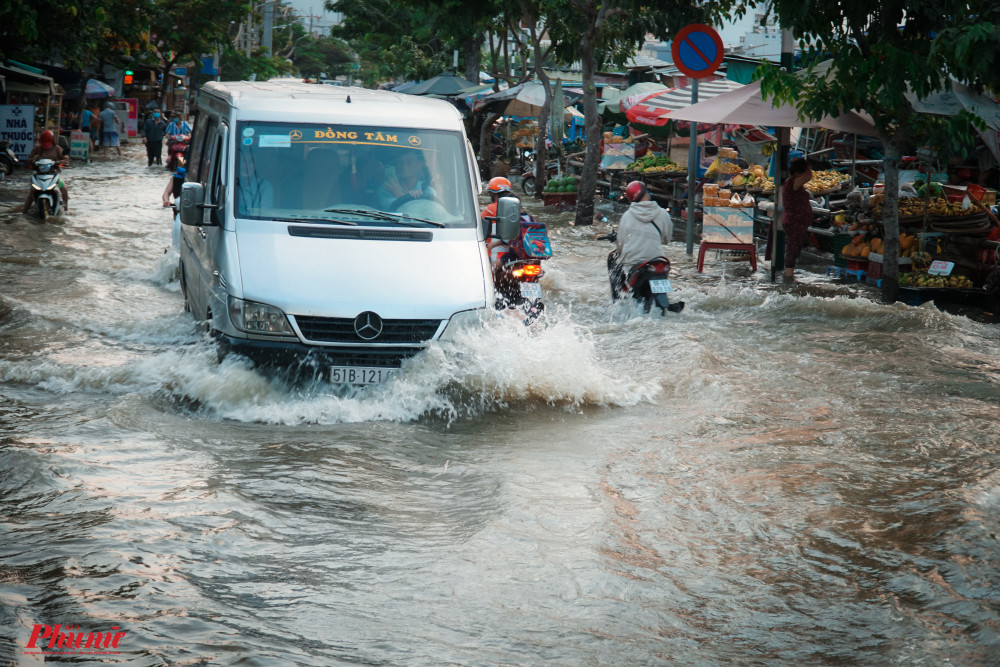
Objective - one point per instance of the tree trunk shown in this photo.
(541, 150)
(890, 218)
(588, 182)
(472, 55)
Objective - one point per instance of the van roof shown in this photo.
(290, 99)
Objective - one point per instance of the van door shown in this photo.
(204, 240)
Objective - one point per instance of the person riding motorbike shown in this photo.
(642, 231)
(497, 187)
(47, 148)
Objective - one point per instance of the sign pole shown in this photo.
(693, 163)
(697, 51)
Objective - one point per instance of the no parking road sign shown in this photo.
(697, 50)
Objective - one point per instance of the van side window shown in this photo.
(201, 123)
(214, 186)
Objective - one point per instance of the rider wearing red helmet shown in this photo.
(47, 148)
(644, 227)
(497, 187)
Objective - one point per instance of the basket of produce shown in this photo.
(560, 192)
(825, 182)
(651, 164)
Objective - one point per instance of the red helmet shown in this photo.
(47, 139)
(498, 185)
(635, 191)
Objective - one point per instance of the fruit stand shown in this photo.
(945, 242)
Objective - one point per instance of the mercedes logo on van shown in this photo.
(368, 325)
(414, 140)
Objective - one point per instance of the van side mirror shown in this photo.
(192, 199)
(508, 218)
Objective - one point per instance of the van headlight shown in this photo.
(258, 318)
(463, 321)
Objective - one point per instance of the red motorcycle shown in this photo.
(517, 268)
(176, 147)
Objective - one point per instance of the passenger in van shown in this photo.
(410, 181)
(327, 177)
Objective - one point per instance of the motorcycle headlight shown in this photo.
(258, 318)
(463, 321)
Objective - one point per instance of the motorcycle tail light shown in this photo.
(527, 271)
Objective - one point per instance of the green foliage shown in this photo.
(77, 32)
(324, 55)
(409, 39)
(236, 66)
(182, 30)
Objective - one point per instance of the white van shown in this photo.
(331, 226)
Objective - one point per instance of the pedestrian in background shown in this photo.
(797, 214)
(109, 129)
(152, 136)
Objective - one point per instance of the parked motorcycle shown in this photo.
(45, 188)
(8, 158)
(528, 180)
(647, 283)
(517, 264)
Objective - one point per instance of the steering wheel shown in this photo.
(423, 207)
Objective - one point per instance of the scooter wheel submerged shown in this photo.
(43, 209)
(528, 185)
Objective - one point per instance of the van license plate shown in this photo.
(660, 286)
(531, 290)
(360, 374)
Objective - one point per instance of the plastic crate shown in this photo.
(559, 198)
(857, 264)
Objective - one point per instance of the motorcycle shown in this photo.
(8, 158)
(528, 180)
(517, 266)
(45, 188)
(646, 283)
(175, 149)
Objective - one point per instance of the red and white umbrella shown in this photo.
(655, 109)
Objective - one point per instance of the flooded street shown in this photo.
(776, 476)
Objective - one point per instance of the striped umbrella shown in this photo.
(655, 109)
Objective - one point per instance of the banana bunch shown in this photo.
(943, 207)
(825, 180)
(650, 164)
(921, 279)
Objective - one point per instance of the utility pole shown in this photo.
(268, 27)
(246, 44)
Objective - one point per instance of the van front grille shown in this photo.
(341, 330)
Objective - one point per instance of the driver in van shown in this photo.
(408, 183)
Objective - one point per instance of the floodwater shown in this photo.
(776, 476)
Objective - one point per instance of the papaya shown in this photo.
(865, 251)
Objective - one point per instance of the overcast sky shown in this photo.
(730, 33)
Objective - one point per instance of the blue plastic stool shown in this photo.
(877, 282)
(837, 271)
(860, 274)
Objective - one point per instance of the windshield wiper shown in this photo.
(384, 215)
(319, 221)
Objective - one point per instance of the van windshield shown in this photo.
(355, 175)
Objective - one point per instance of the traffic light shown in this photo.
(128, 77)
